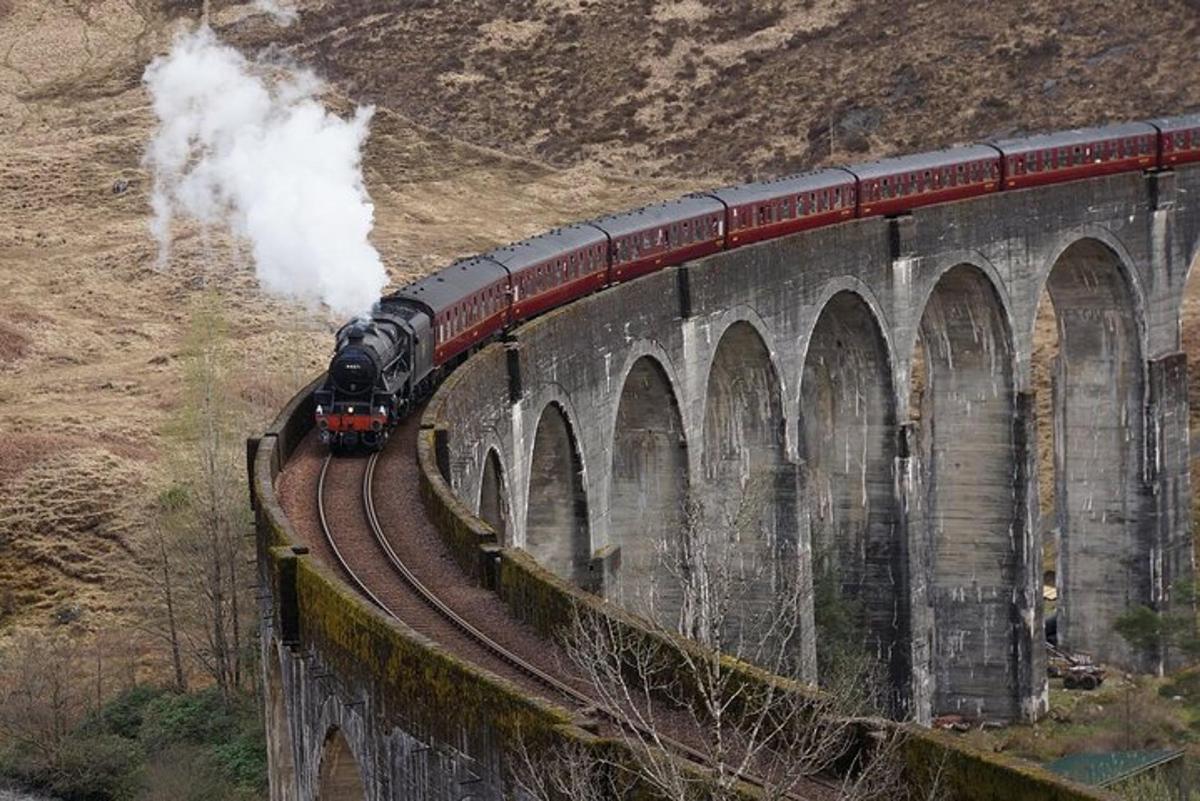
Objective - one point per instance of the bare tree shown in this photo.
(725, 602)
(565, 771)
(44, 693)
(165, 587)
(199, 612)
(217, 499)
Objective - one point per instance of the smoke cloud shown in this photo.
(264, 158)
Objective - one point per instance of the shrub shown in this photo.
(123, 715)
(244, 758)
(103, 767)
(201, 717)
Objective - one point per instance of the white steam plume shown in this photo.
(269, 161)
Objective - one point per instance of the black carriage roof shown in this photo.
(1078, 136)
(658, 214)
(1171, 124)
(451, 284)
(780, 187)
(540, 248)
(936, 159)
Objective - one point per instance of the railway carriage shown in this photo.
(467, 303)
(1178, 139)
(777, 208)
(647, 239)
(549, 270)
(1082, 153)
(895, 185)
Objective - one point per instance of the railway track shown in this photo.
(577, 697)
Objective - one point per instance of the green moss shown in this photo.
(974, 775)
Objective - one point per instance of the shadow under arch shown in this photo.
(746, 516)
(847, 443)
(1102, 565)
(964, 407)
(556, 519)
(493, 496)
(649, 486)
(340, 777)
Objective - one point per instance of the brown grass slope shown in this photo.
(496, 120)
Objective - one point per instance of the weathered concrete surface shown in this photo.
(792, 359)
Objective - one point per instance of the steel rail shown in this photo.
(337, 554)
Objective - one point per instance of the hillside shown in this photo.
(495, 120)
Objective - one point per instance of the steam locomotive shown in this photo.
(384, 364)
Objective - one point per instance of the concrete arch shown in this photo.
(493, 506)
(747, 487)
(847, 446)
(981, 263)
(340, 776)
(648, 485)
(742, 315)
(557, 532)
(968, 452)
(1122, 260)
(855, 286)
(743, 408)
(1099, 388)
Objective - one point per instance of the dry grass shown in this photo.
(568, 108)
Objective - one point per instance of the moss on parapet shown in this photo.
(973, 775)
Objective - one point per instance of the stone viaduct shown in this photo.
(875, 379)
(795, 359)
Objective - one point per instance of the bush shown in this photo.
(103, 767)
(200, 717)
(123, 715)
(244, 758)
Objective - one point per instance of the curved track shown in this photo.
(577, 698)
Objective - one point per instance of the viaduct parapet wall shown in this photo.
(910, 473)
